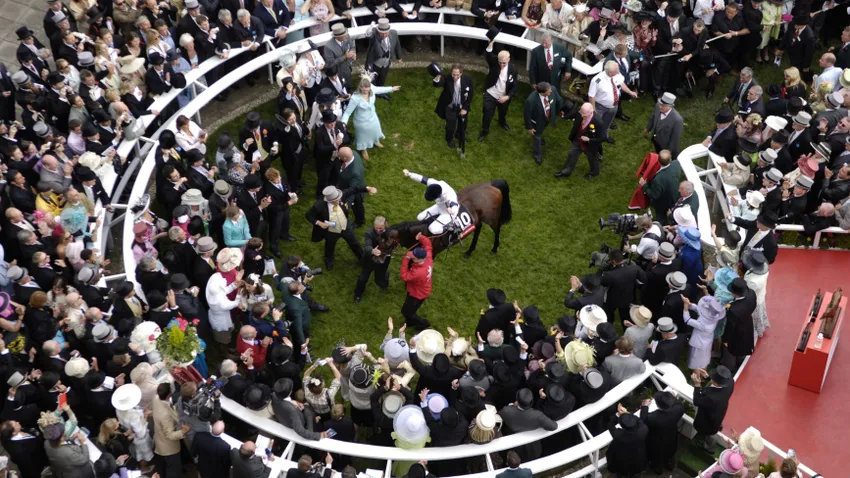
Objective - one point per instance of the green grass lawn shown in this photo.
(554, 227)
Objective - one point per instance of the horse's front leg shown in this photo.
(497, 231)
(474, 241)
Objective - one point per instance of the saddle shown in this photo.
(456, 230)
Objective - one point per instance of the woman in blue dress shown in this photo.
(367, 126)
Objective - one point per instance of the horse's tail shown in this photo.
(506, 212)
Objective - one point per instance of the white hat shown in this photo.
(591, 316)
(755, 198)
(76, 367)
(409, 424)
(751, 443)
(126, 397)
(459, 346)
(580, 8)
(228, 259)
(395, 351)
(776, 123)
(487, 418)
(684, 216)
(429, 343)
(192, 197)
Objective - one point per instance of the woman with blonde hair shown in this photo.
(819, 102)
(236, 231)
(69, 72)
(322, 11)
(532, 12)
(116, 441)
(155, 44)
(749, 128)
(793, 85)
(367, 125)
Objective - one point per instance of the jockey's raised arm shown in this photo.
(446, 204)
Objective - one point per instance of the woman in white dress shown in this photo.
(367, 126)
(756, 277)
(308, 73)
(126, 402)
(189, 135)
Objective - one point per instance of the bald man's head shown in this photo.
(218, 428)
(586, 110)
(247, 449)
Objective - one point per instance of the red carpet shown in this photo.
(815, 425)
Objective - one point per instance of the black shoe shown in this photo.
(563, 173)
(542, 142)
(277, 254)
(589, 176)
(622, 117)
(329, 266)
(506, 127)
(357, 299)
(320, 308)
(451, 143)
(709, 94)
(222, 97)
(481, 137)
(539, 161)
(291, 238)
(613, 126)
(610, 140)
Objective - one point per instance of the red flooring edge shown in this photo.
(815, 425)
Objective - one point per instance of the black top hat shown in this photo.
(524, 398)
(795, 105)
(449, 417)
(156, 59)
(477, 370)
(591, 281)
(723, 116)
(555, 370)
(328, 116)
(360, 377)
(501, 372)
(326, 96)
(738, 286)
(100, 115)
(768, 218)
(606, 332)
(510, 355)
(496, 296)
(180, 282)
(555, 393)
(193, 156)
(531, 314)
(257, 396)
(755, 261)
(224, 141)
(674, 10)
(55, 77)
(252, 120)
(24, 56)
(94, 14)
(567, 324)
(469, 396)
(252, 181)
(441, 363)
(774, 91)
(281, 353)
(339, 357)
(664, 400)
(95, 379)
(801, 20)
(85, 173)
(283, 387)
(629, 422)
(24, 32)
(155, 299)
(434, 69)
(89, 130)
(721, 375)
(780, 137)
(492, 32)
(748, 145)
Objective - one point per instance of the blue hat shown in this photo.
(420, 253)
(691, 235)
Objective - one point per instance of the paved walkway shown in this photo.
(15, 13)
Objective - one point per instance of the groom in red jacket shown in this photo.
(417, 275)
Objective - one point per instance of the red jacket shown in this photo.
(418, 276)
(648, 168)
(259, 355)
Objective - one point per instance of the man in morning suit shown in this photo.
(340, 52)
(275, 18)
(521, 416)
(455, 100)
(738, 336)
(723, 141)
(842, 52)
(329, 217)
(212, 452)
(328, 138)
(760, 235)
(254, 202)
(351, 175)
(550, 63)
(384, 47)
(587, 136)
(799, 43)
(591, 290)
(374, 260)
(282, 198)
(663, 425)
(712, 402)
(500, 88)
(665, 126)
(621, 281)
(541, 109)
(662, 189)
(669, 348)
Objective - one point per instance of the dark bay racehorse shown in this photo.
(487, 203)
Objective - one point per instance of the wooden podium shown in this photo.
(809, 368)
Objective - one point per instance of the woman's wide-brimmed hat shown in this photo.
(711, 308)
(409, 424)
(192, 197)
(126, 397)
(692, 237)
(76, 367)
(228, 259)
(391, 403)
(396, 351)
(591, 316)
(577, 354)
(640, 315)
(684, 216)
(429, 343)
(731, 461)
(257, 396)
(751, 443)
(130, 64)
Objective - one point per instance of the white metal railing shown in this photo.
(709, 178)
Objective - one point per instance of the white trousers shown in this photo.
(438, 226)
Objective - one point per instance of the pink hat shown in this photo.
(731, 461)
(140, 228)
(808, 167)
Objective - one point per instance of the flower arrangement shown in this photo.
(179, 342)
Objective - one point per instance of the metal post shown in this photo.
(115, 277)
(388, 470)
(489, 462)
(288, 451)
(441, 20)
(195, 95)
(816, 240)
(117, 220)
(271, 72)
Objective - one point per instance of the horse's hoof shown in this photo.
(467, 255)
(493, 251)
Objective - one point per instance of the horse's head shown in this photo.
(407, 232)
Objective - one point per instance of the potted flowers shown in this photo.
(179, 342)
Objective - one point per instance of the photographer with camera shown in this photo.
(198, 407)
(650, 239)
(294, 270)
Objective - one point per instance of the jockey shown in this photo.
(446, 204)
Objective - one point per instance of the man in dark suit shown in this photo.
(687, 198)
(350, 174)
(665, 126)
(499, 89)
(520, 416)
(772, 191)
(454, 103)
(329, 137)
(591, 290)
(212, 452)
(246, 464)
(541, 110)
(384, 47)
(293, 139)
(800, 137)
(257, 136)
(158, 76)
(7, 95)
(550, 63)
(199, 176)
(89, 185)
(278, 211)
(730, 21)
(20, 192)
(514, 471)
(626, 454)
(739, 91)
(670, 27)
(753, 103)
(275, 18)
(498, 315)
(237, 383)
(775, 105)
(233, 6)
(188, 23)
(329, 217)
(723, 141)
(290, 413)
(669, 348)
(587, 136)
(254, 203)
(662, 189)
(203, 265)
(172, 190)
(712, 402)
(33, 66)
(672, 303)
(656, 287)
(663, 425)
(799, 43)
(738, 339)
(54, 7)
(621, 281)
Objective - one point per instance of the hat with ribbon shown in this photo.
(666, 326)
(684, 217)
(591, 316)
(677, 280)
(429, 343)
(711, 308)
(640, 315)
(577, 354)
(126, 397)
(409, 424)
(331, 193)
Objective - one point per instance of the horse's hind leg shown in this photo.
(497, 231)
(474, 241)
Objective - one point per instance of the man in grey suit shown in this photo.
(384, 47)
(665, 125)
(340, 52)
(520, 416)
(246, 464)
(53, 176)
(623, 363)
(290, 413)
(513, 471)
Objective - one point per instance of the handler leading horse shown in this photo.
(483, 203)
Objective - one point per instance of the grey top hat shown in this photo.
(20, 78)
(666, 325)
(677, 280)
(803, 118)
(331, 193)
(805, 182)
(222, 188)
(101, 331)
(666, 250)
(768, 156)
(41, 129)
(16, 273)
(774, 175)
(593, 378)
(192, 4)
(383, 25)
(835, 99)
(58, 17)
(85, 58)
(205, 244)
(668, 99)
